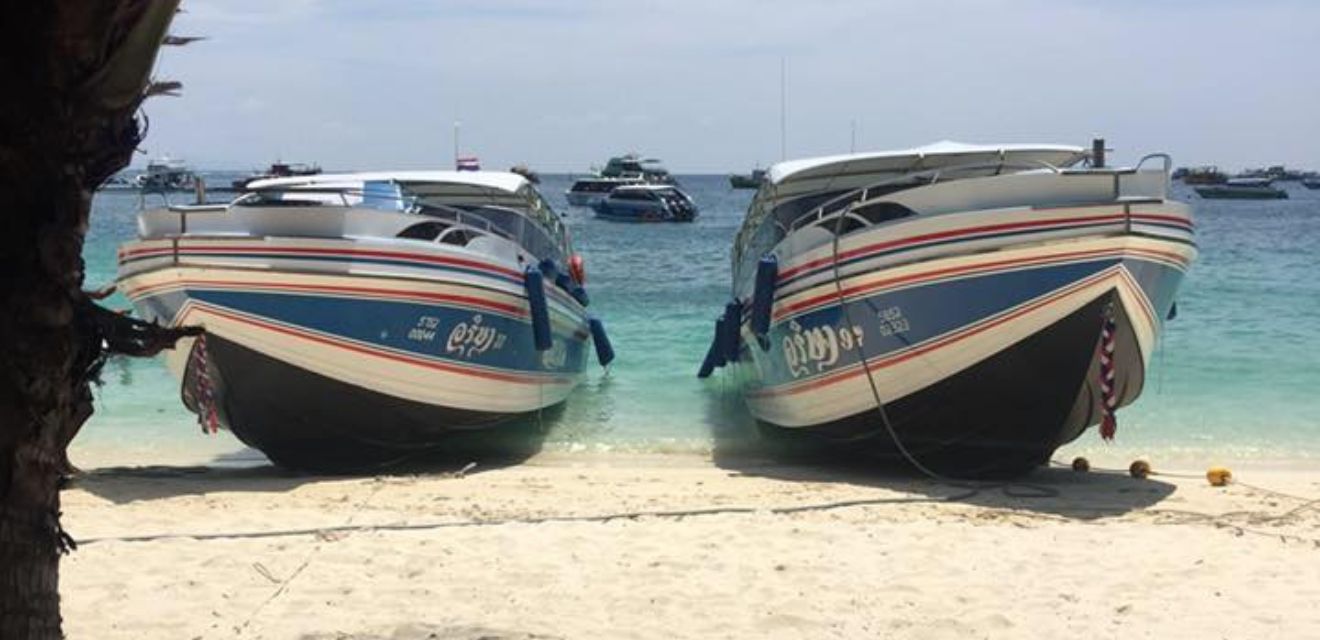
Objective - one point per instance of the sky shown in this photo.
(563, 85)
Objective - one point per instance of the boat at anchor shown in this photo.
(646, 203)
(1243, 189)
(625, 170)
(967, 308)
(356, 319)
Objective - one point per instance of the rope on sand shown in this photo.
(608, 517)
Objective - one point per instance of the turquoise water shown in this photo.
(1234, 379)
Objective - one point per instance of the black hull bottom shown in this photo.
(306, 421)
(1000, 417)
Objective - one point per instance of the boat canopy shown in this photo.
(931, 156)
(446, 188)
(495, 180)
(495, 195)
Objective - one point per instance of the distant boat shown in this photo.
(1200, 175)
(1311, 183)
(166, 174)
(467, 163)
(647, 203)
(526, 172)
(1275, 172)
(620, 170)
(747, 180)
(278, 170)
(1243, 189)
(118, 183)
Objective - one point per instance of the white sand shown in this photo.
(529, 551)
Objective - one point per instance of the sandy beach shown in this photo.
(624, 546)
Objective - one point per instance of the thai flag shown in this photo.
(467, 163)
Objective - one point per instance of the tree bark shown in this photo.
(73, 73)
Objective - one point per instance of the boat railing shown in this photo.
(1129, 183)
(844, 204)
(1164, 172)
(411, 204)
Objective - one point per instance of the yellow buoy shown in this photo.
(1219, 476)
(1139, 469)
(1081, 465)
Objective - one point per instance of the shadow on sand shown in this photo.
(741, 448)
(464, 453)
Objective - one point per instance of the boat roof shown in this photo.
(495, 180)
(918, 158)
(645, 187)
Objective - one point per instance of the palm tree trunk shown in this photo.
(73, 73)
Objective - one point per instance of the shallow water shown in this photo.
(1235, 377)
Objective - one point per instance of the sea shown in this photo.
(1236, 378)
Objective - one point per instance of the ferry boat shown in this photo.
(355, 319)
(1243, 189)
(965, 308)
(647, 203)
(627, 169)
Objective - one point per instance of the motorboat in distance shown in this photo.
(966, 308)
(1243, 189)
(627, 169)
(355, 319)
(276, 170)
(746, 181)
(647, 203)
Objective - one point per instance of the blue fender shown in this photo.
(604, 350)
(715, 354)
(763, 298)
(579, 293)
(535, 283)
(732, 330)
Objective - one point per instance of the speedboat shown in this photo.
(1243, 189)
(118, 182)
(647, 203)
(277, 170)
(1311, 183)
(622, 170)
(965, 308)
(355, 319)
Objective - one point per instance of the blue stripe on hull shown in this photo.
(460, 336)
(812, 344)
(1160, 284)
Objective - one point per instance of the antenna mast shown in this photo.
(457, 124)
(783, 109)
